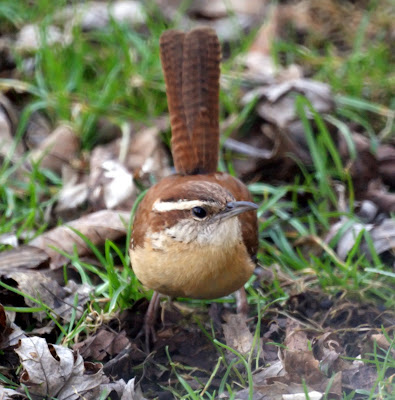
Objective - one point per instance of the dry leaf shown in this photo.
(386, 163)
(125, 391)
(73, 195)
(10, 394)
(382, 342)
(359, 377)
(327, 349)
(102, 344)
(58, 149)
(146, 155)
(222, 8)
(302, 396)
(259, 60)
(299, 361)
(56, 371)
(236, 332)
(8, 147)
(97, 227)
(23, 257)
(93, 15)
(381, 197)
(30, 38)
(38, 129)
(60, 299)
(110, 183)
(278, 100)
(10, 333)
(9, 239)
(364, 167)
(382, 235)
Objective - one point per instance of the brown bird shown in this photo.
(195, 234)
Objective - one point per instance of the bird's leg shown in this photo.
(241, 301)
(149, 320)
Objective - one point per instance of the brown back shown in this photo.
(191, 66)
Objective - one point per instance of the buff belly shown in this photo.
(200, 272)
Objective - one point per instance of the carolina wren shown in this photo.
(195, 234)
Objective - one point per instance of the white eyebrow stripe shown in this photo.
(162, 206)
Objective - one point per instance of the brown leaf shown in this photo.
(74, 194)
(38, 129)
(58, 149)
(29, 38)
(360, 376)
(8, 146)
(125, 391)
(382, 341)
(42, 287)
(299, 361)
(220, 8)
(97, 227)
(10, 333)
(278, 100)
(102, 344)
(146, 155)
(23, 257)
(382, 234)
(386, 161)
(363, 168)
(10, 394)
(259, 59)
(381, 197)
(92, 15)
(110, 183)
(279, 391)
(236, 332)
(56, 371)
(327, 349)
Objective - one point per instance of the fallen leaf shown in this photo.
(110, 183)
(9, 239)
(299, 361)
(9, 148)
(56, 371)
(236, 332)
(10, 333)
(125, 391)
(382, 235)
(10, 394)
(30, 38)
(73, 195)
(327, 349)
(314, 395)
(259, 60)
(277, 103)
(363, 167)
(23, 257)
(386, 164)
(102, 344)
(60, 299)
(381, 197)
(97, 227)
(37, 130)
(94, 15)
(58, 149)
(359, 377)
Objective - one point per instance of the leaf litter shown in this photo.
(312, 343)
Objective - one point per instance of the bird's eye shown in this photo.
(199, 212)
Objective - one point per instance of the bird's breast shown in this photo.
(192, 270)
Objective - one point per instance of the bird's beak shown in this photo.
(234, 208)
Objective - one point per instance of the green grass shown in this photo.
(116, 74)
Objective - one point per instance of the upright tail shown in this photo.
(191, 66)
